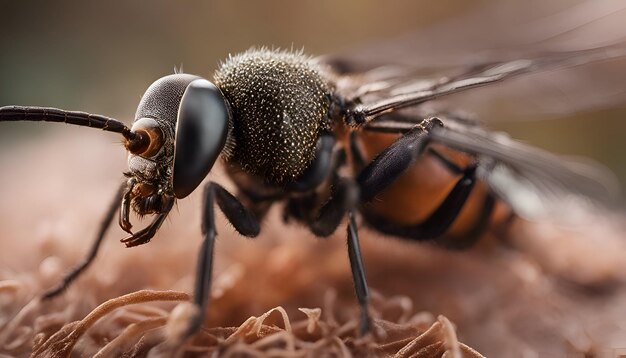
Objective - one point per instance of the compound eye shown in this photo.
(149, 140)
(201, 133)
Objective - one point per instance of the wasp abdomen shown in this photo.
(280, 104)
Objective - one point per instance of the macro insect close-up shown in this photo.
(385, 203)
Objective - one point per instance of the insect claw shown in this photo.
(128, 230)
(126, 240)
(137, 239)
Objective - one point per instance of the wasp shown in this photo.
(298, 131)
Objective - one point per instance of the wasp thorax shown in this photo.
(148, 139)
(279, 103)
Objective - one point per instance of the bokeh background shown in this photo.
(56, 180)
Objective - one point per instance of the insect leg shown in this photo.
(204, 271)
(95, 246)
(242, 218)
(343, 197)
(145, 235)
(124, 220)
(244, 222)
(394, 160)
(358, 274)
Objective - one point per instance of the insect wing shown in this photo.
(577, 48)
(532, 181)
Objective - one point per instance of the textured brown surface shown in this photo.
(560, 294)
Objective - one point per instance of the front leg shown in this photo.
(244, 222)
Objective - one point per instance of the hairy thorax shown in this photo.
(280, 102)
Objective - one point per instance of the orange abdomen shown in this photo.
(419, 191)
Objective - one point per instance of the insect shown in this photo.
(295, 131)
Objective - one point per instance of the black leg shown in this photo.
(324, 220)
(344, 196)
(124, 220)
(242, 219)
(78, 269)
(393, 161)
(145, 235)
(258, 203)
(204, 271)
(358, 274)
(301, 208)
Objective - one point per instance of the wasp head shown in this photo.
(181, 126)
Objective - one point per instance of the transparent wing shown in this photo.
(398, 94)
(554, 38)
(532, 181)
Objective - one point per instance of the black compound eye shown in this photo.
(151, 138)
(201, 133)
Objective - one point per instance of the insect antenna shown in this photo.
(47, 114)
